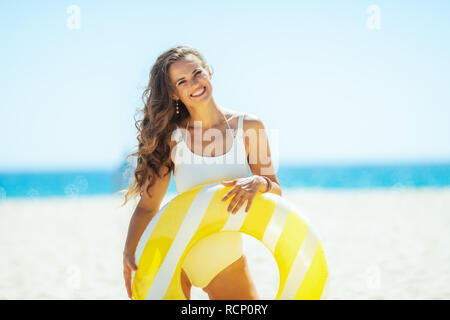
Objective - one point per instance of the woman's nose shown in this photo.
(194, 83)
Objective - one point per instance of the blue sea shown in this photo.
(85, 183)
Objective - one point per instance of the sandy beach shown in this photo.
(380, 244)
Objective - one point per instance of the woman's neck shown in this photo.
(209, 115)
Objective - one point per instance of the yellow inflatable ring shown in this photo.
(199, 212)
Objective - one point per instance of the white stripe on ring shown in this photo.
(300, 266)
(148, 231)
(184, 235)
(235, 221)
(145, 235)
(324, 295)
(276, 224)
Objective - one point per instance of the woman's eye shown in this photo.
(181, 82)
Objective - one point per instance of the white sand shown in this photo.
(385, 244)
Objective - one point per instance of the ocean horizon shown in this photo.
(70, 183)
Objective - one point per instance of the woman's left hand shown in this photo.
(244, 189)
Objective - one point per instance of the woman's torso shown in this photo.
(192, 169)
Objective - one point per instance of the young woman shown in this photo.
(178, 101)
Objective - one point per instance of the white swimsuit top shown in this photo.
(192, 169)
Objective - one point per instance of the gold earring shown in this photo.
(178, 107)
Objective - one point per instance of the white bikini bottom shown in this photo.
(211, 255)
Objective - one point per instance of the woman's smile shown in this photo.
(198, 93)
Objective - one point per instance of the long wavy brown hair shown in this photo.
(158, 122)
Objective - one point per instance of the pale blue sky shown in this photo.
(335, 90)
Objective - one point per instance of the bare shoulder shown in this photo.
(252, 121)
(249, 121)
(251, 125)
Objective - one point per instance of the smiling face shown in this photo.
(191, 81)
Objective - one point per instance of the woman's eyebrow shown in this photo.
(183, 77)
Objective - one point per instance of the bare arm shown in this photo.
(145, 211)
(142, 215)
(259, 157)
(260, 163)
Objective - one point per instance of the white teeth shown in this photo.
(199, 93)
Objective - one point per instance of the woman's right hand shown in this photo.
(129, 265)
